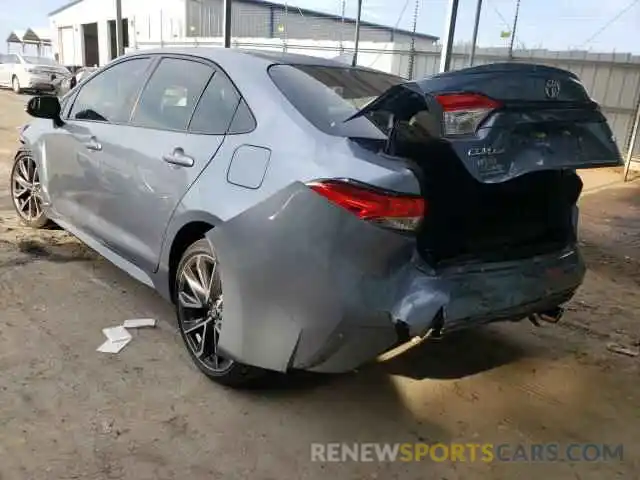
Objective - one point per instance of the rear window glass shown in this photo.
(327, 96)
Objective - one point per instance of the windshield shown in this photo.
(40, 60)
(327, 96)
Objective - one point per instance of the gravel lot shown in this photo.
(68, 412)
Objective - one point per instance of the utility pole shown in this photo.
(449, 31)
(474, 37)
(344, 7)
(632, 142)
(119, 36)
(226, 33)
(412, 50)
(354, 61)
(513, 30)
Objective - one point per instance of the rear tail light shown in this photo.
(389, 210)
(464, 112)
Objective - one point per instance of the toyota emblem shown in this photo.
(552, 89)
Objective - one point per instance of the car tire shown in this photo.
(15, 84)
(26, 192)
(199, 314)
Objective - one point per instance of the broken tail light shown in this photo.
(389, 210)
(464, 112)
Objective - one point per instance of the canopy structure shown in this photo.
(38, 37)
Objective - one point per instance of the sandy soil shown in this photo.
(68, 412)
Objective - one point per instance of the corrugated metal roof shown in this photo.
(303, 11)
(30, 35)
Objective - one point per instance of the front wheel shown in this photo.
(15, 84)
(199, 306)
(26, 191)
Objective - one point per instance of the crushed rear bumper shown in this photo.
(309, 286)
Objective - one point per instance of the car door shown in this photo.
(73, 152)
(6, 69)
(3, 74)
(12, 66)
(153, 162)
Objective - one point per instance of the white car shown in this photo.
(66, 84)
(22, 72)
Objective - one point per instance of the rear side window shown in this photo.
(327, 96)
(170, 96)
(110, 95)
(221, 109)
(243, 121)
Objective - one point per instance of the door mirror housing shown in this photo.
(45, 107)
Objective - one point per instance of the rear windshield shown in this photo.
(327, 96)
(40, 60)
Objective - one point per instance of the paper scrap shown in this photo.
(112, 347)
(118, 337)
(139, 323)
(116, 334)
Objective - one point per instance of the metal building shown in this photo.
(83, 31)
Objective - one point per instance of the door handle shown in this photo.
(179, 158)
(93, 144)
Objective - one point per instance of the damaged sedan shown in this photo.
(302, 214)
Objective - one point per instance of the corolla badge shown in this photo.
(552, 89)
(485, 152)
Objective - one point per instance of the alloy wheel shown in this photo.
(26, 188)
(200, 310)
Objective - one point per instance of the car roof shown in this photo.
(246, 56)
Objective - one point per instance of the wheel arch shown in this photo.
(187, 234)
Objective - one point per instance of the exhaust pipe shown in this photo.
(550, 316)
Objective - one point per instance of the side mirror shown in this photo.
(45, 107)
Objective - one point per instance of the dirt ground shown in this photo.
(68, 412)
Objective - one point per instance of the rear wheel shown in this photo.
(26, 191)
(15, 84)
(199, 306)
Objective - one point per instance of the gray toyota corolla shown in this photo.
(338, 211)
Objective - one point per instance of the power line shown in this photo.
(504, 21)
(610, 22)
(395, 26)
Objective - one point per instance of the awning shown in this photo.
(32, 36)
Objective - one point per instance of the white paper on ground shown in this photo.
(113, 347)
(139, 323)
(116, 334)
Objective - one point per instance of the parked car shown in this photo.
(67, 83)
(23, 72)
(338, 211)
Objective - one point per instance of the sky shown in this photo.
(551, 24)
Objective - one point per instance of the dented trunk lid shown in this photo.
(528, 118)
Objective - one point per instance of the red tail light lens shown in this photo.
(464, 112)
(395, 211)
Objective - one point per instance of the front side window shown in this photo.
(219, 107)
(13, 59)
(327, 96)
(170, 96)
(110, 95)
